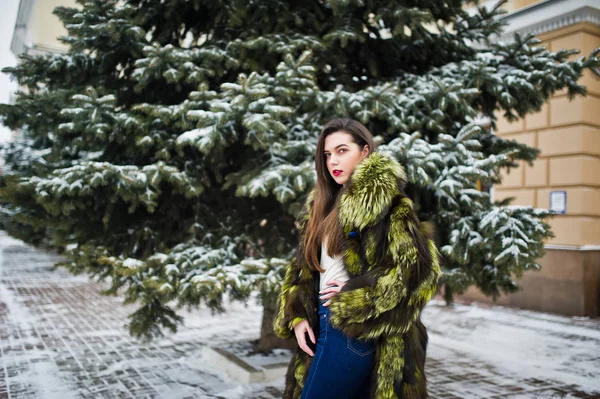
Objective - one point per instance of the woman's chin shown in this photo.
(340, 180)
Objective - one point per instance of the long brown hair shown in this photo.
(324, 213)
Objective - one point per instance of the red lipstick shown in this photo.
(337, 172)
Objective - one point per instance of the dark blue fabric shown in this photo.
(342, 366)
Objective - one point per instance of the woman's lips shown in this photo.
(337, 172)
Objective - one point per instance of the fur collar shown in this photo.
(368, 194)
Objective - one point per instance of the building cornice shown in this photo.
(550, 15)
(19, 43)
(572, 247)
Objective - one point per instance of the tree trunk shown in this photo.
(268, 340)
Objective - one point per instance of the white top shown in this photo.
(334, 267)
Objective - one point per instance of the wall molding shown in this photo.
(550, 15)
(572, 247)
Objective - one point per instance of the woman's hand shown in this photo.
(327, 293)
(300, 330)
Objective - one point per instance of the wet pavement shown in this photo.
(60, 338)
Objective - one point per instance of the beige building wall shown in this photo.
(37, 28)
(45, 27)
(567, 132)
(568, 136)
(513, 5)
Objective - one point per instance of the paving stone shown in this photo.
(60, 338)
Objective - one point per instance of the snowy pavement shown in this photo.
(60, 338)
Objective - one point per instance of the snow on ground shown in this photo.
(521, 343)
(61, 339)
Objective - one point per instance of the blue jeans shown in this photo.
(342, 366)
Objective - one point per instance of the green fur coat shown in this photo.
(394, 268)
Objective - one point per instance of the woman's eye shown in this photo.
(342, 151)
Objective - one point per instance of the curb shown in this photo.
(240, 370)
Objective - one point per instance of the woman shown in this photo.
(364, 269)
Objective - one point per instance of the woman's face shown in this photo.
(342, 155)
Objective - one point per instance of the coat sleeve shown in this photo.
(297, 297)
(294, 301)
(388, 298)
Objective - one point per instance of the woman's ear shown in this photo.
(365, 151)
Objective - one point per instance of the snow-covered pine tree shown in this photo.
(170, 149)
